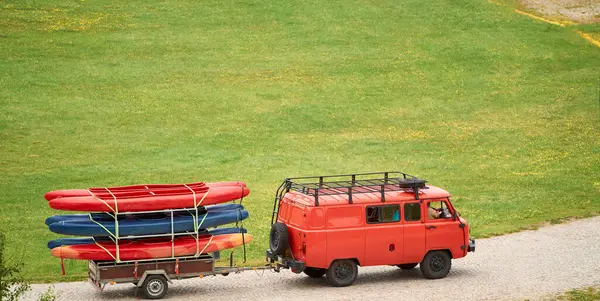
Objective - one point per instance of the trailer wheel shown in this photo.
(278, 239)
(155, 286)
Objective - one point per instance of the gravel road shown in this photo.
(525, 265)
(580, 11)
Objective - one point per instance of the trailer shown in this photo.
(153, 276)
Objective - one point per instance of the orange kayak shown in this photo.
(152, 248)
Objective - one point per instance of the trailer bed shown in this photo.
(102, 272)
(153, 276)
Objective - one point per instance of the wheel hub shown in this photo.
(275, 239)
(437, 264)
(155, 287)
(342, 271)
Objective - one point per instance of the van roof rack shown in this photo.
(349, 184)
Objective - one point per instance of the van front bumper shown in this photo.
(471, 245)
(286, 263)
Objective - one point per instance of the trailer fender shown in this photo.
(153, 272)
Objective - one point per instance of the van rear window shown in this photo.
(297, 216)
(343, 217)
(317, 218)
(383, 214)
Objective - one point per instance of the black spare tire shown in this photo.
(278, 240)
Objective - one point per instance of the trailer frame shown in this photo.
(154, 276)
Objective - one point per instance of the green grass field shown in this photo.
(499, 109)
(584, 294)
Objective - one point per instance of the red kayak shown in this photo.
(150, 249)
(202, 196)
(133, 190)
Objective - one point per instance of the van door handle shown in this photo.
(430, 227)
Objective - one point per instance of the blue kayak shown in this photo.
(88, 240)
(107, 217)
(134, 225)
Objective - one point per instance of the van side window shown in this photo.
(412, 212)
(383, 214)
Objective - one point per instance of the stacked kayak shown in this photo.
(135, 199)
(151, 249)
(147, 221)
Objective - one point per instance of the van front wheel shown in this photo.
(342, 272)
(436, 264)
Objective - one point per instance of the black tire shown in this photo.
(155, 286)
(436, 264)
(342, 272)
(407, 266)
(314, 272)
(278, 240)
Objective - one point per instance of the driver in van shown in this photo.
(432, 213)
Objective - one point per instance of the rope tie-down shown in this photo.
(112, 210)
(196, 225)
(113, 236)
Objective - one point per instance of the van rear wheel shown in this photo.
(314, 272)
(278, 239)
(342, 272)
(436, 264)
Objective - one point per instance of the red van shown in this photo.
(329, 225)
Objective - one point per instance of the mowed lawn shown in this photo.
(499, 109)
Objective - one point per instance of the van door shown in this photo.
(345, 233)
(383, 243)
(442, 231)
(414, 233)
(296, 234)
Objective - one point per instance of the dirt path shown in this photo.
(579, 11)
(525, 265)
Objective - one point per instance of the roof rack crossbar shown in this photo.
(369, 189)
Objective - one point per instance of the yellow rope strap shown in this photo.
(195, 217)
(103, 248)
(116, 209)
(102, 226)
(113, 215)
(114, 236)
(204, 249)
(196, 226)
